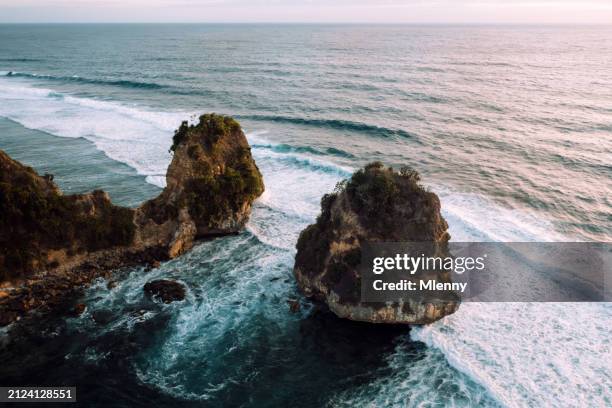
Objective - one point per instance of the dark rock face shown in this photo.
(51, 240)
(377, 204)
(166, 290)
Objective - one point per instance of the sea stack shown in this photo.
(377, 204)
(210, 186)
(52, 243)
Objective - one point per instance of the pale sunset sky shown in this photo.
(375, 11)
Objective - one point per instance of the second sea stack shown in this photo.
(377, 204)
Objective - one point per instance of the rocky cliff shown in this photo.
(53, 243)
(377, 204)
(210, 186)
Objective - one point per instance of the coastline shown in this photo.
(512, 142)
(58, 243)
(78, 166)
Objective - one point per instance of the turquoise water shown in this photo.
(511, 126)
(76, 164)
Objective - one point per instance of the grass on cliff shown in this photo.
(376, 189)
(373, 191)
(33, 221)
(211, 125)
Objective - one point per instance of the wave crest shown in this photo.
(75, 78)
(371, 130)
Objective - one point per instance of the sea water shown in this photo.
(510, 126)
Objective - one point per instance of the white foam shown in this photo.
(530, 354)
(133, 135)
(291, 201)
(418, 379)
(523, 354)
(475, 218)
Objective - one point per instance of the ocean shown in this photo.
(511, 126)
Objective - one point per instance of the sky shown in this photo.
(376, 11)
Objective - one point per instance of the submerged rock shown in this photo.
(294, 305)
(79, 309)
(167, 290)
(102, 316)
(377, 204)
(47, 237)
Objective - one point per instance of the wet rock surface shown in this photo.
(167, 291)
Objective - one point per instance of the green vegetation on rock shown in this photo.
(211, 199)
(211, 126)
(376, 191)
(373, 193)
(35, 218)
(213, 177)
(219, 177)
(64, 242)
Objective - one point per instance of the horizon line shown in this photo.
(415, 23)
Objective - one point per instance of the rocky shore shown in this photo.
(54, 244)
(377, 204)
